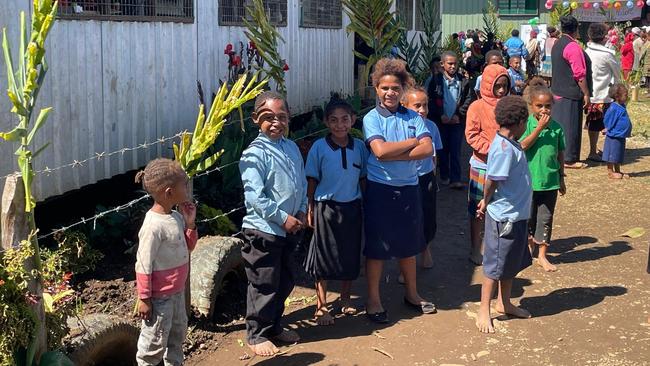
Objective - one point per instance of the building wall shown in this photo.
(119, 84)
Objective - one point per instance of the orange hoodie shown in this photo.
(482, 127)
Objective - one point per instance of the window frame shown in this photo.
(185, 4)
(337, 3)
(507, 12)
(240, 23)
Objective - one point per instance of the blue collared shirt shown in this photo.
(274, 184)
(380, 123)
(450, 93)
(337, 169)
(514, 77)
(426, 166)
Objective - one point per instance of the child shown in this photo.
(617, 128)
(335, 166)
(480, 130)
(165, 239)
(275, 194)
(398, 138)
(416, 99)
(435, 67)
(493, 57)
(448, 93)
(543, 143)
(516, 78)
(507, 202)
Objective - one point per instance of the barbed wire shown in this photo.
(102, 155)
(221, 215)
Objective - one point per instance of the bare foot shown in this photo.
(287, 336)
(484, 322)
(427, 260)
(347, 308)
(323, 317)
(374, 308)
(548, 266)
(264, 349)
(476, 258)
(531, 245)
(615, 175)
(512, 310)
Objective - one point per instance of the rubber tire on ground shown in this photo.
(212, 260)
(106, 340)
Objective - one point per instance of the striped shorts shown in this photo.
(475, 191)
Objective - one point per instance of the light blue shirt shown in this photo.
(514, 77)
(477, 87)
(516, 47)
(508, 167)
(426, 166)
(275, 186)
(450, 91)
(337, 169)
(380, 123)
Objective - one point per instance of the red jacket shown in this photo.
(627, 53)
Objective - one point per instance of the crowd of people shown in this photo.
(377, 197)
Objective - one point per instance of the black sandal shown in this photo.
(379, 318)
(425, 307)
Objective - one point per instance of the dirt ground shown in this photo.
(593, 311)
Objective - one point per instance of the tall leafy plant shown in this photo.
(265, 38)
(491, 19)
(371, 20)
(559, 10)
(409, 50)
(429, 37)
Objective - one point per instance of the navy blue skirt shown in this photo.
(505, 256)
(393, 221)
(614, 150)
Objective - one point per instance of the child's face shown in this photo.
(178, 193)
(436, 68)
(418, 102)
(540, 105)
(501, 86)
(389, 91)
(450, 65)
(339, 122)
(515, 63)
(495, 60)
(621, 97)
(272, 118)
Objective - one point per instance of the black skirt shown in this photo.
(392, 221)
(428, 192)
(335, 248)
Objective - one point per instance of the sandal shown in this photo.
(595, 158)
(379, 318)
(425, 307)
(577, 165)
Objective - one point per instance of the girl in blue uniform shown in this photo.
(618, 128)
(335, 168)
(397, 138)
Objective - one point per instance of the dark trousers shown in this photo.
(568, 113)
(540, 224)
(429, 192)
(268, 262)
(449, 158)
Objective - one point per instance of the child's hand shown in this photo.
(603, 132)
(188, 210)
(310, 216)
(480, 210)
(144, 309)
(292, 225)
(562, 187)
(544, 120)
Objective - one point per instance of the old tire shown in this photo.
(213, 259)
(106, 340)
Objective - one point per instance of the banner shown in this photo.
(601, 15)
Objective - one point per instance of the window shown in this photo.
(128, 10)
(518, 7)
(232, 12)
(405, 12)
(321, 13)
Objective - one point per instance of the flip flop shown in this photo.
(425, 307)
(379, 318)
(595, 158)
(575, 166)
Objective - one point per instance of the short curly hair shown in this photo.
(511, 110)
(616, 90)
(597, 32)
(160, 174)
(392, 67)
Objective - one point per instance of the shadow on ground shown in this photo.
(573, 298)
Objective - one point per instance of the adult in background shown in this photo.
(532, 62)
(605, 71)
(515, 46)
(570, 89)
(547, 65)
(628, 58)
(637, 45)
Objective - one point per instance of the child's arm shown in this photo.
(148, 245)
(490, 187)
(560, 159)
(423, 150)
(311, 190)
(253, 177)
(473, 133)
(188, 210)
(386, 151)
(530, 140)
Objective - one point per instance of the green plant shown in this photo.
(491, 19)
(221, 226)
(371, 20)
(409, 50)
(192, 151)
(429, 37)
(558, 11)
(265, 38)
(452, 45)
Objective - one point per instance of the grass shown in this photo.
(640, 115)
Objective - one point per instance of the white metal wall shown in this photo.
(119, 84)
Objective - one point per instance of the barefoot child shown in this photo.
(480, 130)
(335, 167)
(516, 78)
(618, 127)
(505, 208)
(165, 239)
(416, 99)
(275, 194)
(543, 143)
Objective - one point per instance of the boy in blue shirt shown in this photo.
(516, 78)
(515, 46)
(507, 200)
(275, 193)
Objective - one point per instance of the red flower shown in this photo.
(236, 61)
(67, 276)
(285, 67)
(251, 44)
(228, 49)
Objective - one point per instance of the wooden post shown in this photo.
(15, 227)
